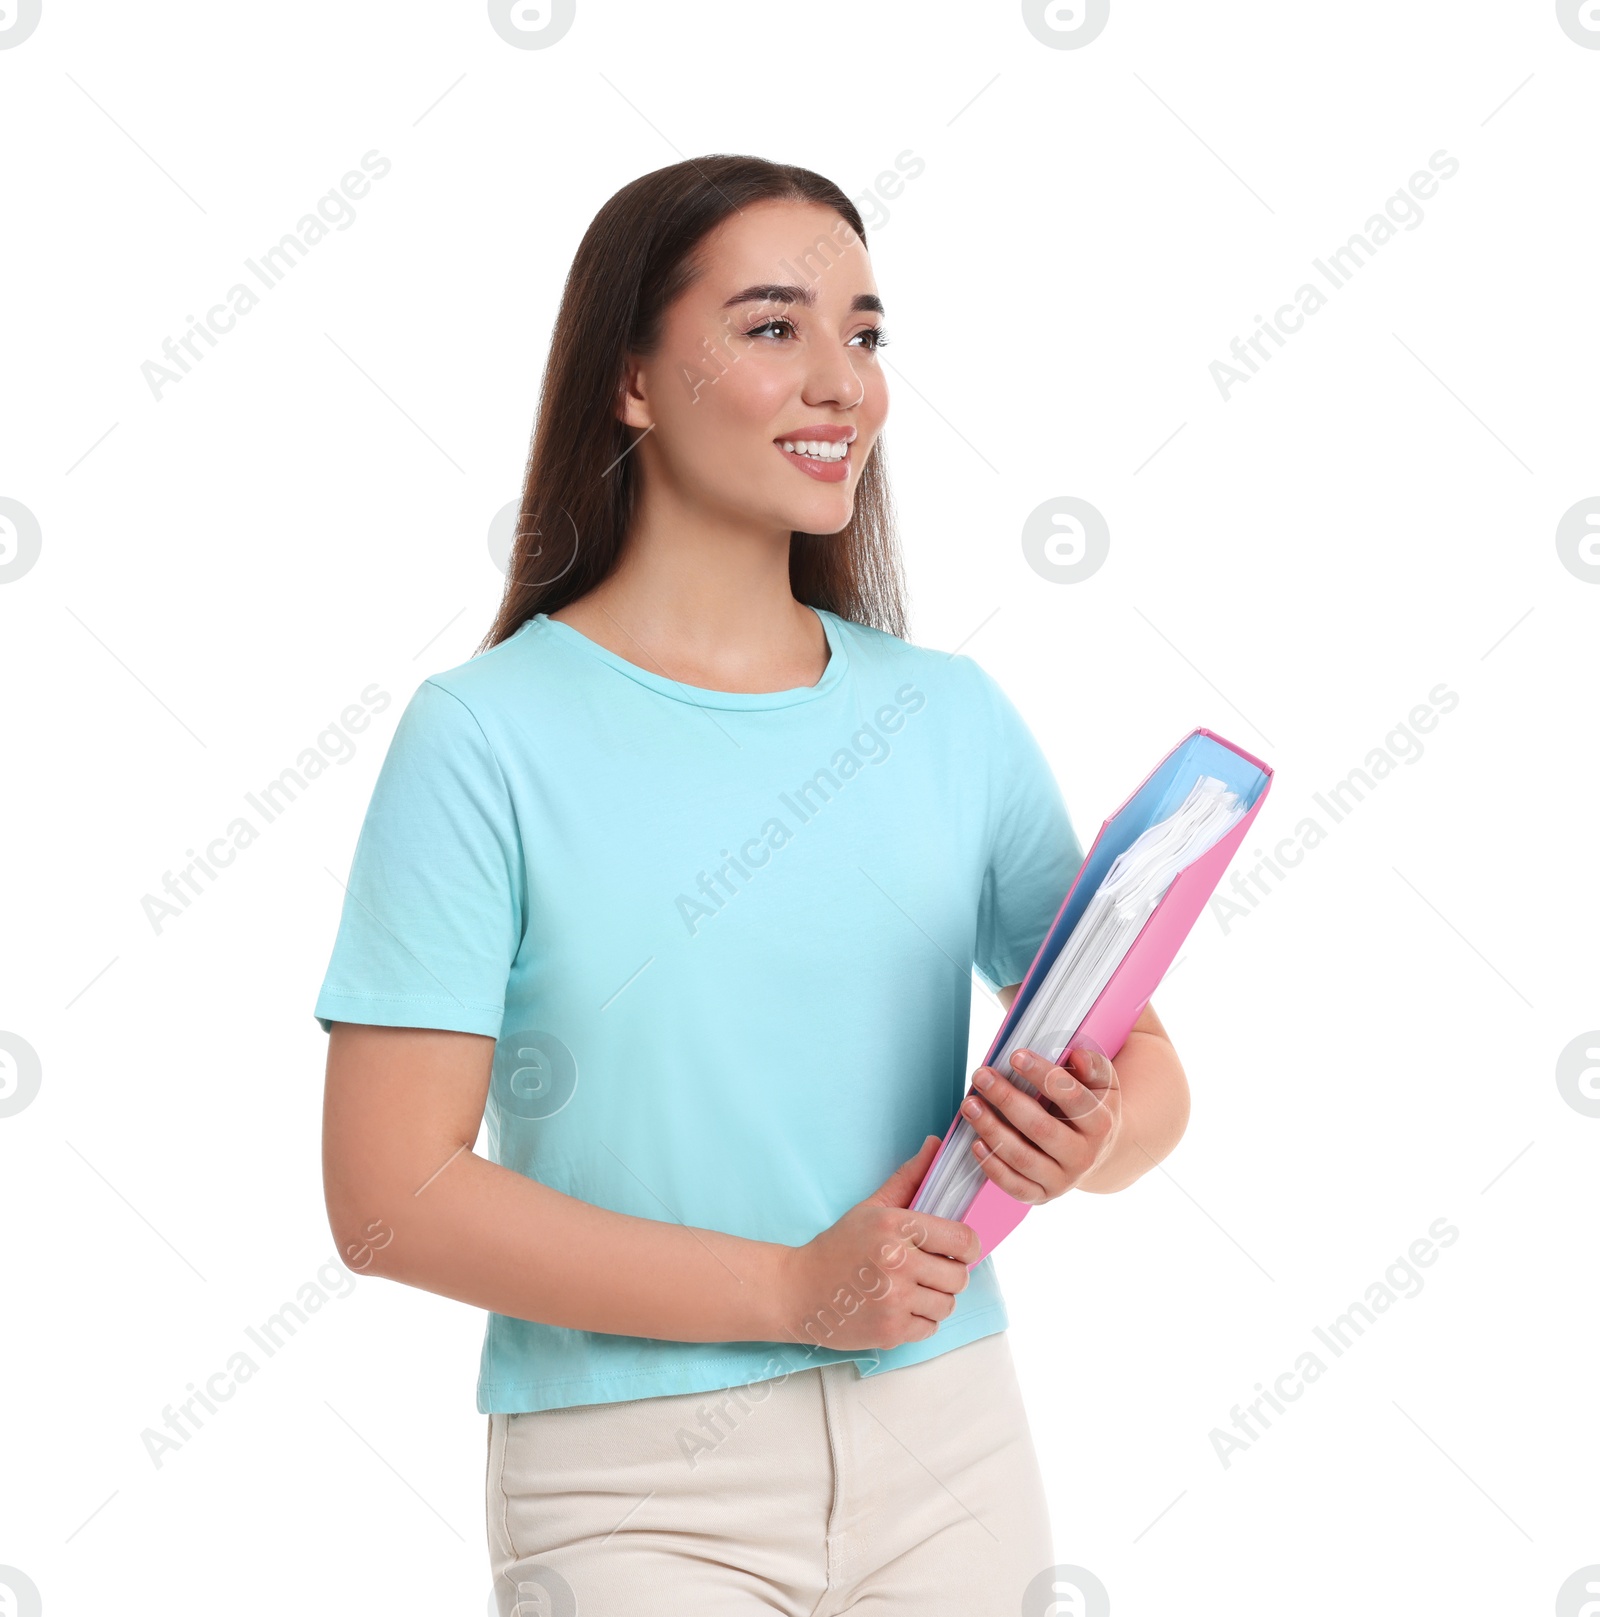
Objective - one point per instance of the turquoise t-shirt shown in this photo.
(724, 942)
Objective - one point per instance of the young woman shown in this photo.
(679, 884)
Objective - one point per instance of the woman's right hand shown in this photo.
(881, 1275)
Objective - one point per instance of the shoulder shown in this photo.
(469, 719)
(511, 679)
(973, 708)
(951, 678)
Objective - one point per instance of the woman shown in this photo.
(679, 884)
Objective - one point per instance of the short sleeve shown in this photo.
(1034, 853)
(433, 911)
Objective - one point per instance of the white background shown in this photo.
(1372, 1048)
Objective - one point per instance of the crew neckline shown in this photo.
(701, 695)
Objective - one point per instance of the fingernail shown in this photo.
(1022, 1059)
(983, 1078)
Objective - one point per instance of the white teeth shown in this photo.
(816, 450)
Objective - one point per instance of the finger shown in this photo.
(931, 1304)
(948, 1275)
(900, 1188)
(998, 1141)
(1032, 1122)
(942, 1237)
(1075, 1099)
(1092, 1069)
(1011, 1180)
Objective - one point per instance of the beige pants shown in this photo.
(813, 1494)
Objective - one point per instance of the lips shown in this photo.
(831, 470)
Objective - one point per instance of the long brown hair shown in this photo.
(578, 493)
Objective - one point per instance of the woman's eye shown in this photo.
(873, 334)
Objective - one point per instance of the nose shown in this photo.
(832, 380)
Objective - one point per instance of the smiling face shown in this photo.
(773, 346)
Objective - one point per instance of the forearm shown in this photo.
(1155, 1112)
(498, 1240)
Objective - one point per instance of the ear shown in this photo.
(632, 408)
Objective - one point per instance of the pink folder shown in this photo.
(993, 1213)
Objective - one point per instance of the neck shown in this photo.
(706, 600)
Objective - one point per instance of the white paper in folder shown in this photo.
(1086, 962)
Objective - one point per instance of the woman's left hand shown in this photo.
(1033, 1149)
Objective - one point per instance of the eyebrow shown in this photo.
(863, 302)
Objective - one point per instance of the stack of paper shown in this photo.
(1115, 914)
